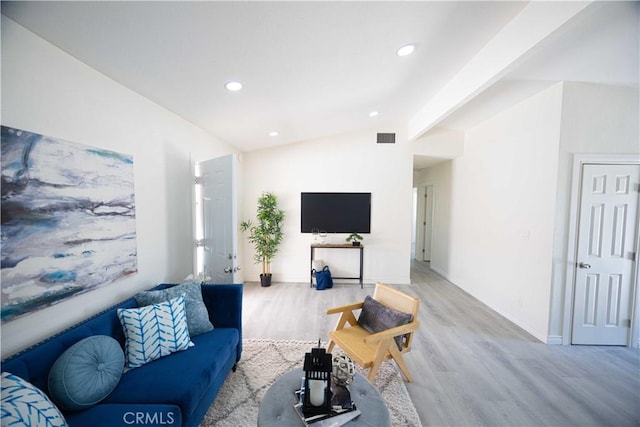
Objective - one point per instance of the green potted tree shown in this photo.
(354, 238)
(266, 235)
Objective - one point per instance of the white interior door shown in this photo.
(419, 224)
(218, 243)
(607, 232)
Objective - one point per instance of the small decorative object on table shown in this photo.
(321, 401)
(354, 238)
(342, 375)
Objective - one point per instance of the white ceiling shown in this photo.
(315, 69)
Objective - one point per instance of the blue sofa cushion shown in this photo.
(183, 377)
(86, 372)
(197, 314)
(154, 331)
(24, 405)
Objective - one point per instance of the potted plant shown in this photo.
(266, 235)
(354, 238)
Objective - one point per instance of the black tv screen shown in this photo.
(335, 212)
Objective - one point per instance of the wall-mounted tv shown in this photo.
(335, 212)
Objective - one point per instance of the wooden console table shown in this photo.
(339, 246)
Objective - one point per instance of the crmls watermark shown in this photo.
(146, 418)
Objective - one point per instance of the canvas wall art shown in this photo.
(68, 220)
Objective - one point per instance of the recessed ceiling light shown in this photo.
(233, 86)
(373, 114)
(405, 50)
(274, 133)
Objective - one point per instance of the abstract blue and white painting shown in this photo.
(68, 220)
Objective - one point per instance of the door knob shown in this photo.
(227, 270)
(584, 265)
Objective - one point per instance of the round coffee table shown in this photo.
(276, 408)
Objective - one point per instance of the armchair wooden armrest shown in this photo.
(343, 308)
(393, 332)
(346, 316)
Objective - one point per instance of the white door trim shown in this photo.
(428, 222)
(572, 242)
(419, 226)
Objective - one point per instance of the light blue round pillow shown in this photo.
(86, 372)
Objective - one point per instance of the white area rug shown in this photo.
(263, 361)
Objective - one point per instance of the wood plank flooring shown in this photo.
(470, 365)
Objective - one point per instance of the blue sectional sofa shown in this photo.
(174, 390)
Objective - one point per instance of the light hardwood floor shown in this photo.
(470, 365)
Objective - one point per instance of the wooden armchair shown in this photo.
(369, 349)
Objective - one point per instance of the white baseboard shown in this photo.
(440, 272)
(554, 339)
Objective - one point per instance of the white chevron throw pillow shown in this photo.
(154, 331)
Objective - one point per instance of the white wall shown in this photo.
(440, 143)
(500, 199)
(596, 119)
(46, 91)
(345, 163)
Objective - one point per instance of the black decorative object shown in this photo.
(317, 382)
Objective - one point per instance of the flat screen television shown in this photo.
(335, 212)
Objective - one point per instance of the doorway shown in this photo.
(605, 267)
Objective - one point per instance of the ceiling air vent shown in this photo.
(386, 138)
